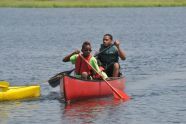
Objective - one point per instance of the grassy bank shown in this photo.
(90, 3)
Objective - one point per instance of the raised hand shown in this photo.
(117, 43)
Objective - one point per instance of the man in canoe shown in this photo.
(109, 59)
(82, 69)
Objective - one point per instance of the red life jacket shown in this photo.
(82, 66)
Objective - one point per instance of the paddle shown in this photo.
(55, 80)
(118, 94)
(104, 50)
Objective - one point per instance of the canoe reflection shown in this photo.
(89, 110)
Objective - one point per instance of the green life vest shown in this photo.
(109, 56)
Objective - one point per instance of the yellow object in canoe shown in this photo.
(19, 92)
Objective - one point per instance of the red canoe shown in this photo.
(78, 89)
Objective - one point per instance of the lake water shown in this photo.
(34, 41)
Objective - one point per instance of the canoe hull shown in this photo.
(20, 92)
(76, 89)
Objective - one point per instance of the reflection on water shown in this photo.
(7, 109)
(89, 110)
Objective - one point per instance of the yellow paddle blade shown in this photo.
(4, 84)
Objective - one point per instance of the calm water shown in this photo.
(33, 42)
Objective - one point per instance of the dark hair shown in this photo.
(109, 36)
(85, 44)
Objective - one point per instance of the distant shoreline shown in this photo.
(89, 3)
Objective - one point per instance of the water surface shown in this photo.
(34, 41)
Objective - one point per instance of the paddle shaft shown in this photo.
(104, 50)
(113, 89)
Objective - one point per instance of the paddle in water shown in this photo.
(55, 80)
(118, 94)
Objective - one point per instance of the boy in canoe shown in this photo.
(82, 69)
(109, 59)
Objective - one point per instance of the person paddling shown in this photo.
(82, 69)
(109, 59)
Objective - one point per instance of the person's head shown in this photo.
(86, 48)
(107, 40)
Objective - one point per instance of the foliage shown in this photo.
(90, 3)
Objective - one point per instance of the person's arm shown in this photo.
(67, 58)
(120, 51)
(94, 64)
